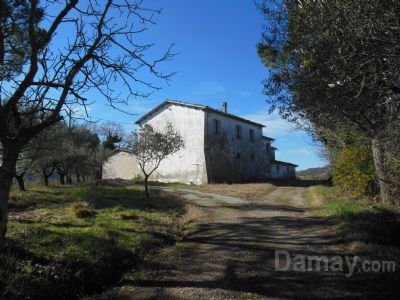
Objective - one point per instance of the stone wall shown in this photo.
(232, 158)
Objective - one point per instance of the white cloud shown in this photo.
(138, 108)
(299, 151)
(211, 88)
(274, 124)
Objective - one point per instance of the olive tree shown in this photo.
(79, 46)
(152, 146)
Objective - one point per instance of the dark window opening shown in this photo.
(238, 155)
(252, 157)
(238, 132)
(251, 135)
(217, 125)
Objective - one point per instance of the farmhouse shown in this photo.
(218, 147)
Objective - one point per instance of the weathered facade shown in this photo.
(218, 146)
(121, 164)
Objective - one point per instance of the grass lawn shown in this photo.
(365, 227)
(69, 241)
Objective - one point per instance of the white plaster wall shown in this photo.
(121, 165)
(246, 168)
(188, 164)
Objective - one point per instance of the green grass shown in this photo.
(334, 204)
(365, 226)
(55, 252)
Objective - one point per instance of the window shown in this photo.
(251, 135)
(252, 157)
(238, 155)
(217, 126)
(238, 132)
(277, 168)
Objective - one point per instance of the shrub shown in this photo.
(81, 210)
(354, 173)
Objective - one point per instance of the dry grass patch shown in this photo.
(194, 214)
(249, 191)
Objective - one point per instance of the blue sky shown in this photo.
(216, 41)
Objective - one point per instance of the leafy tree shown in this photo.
(111, 141)
(22, 167)
(97, 50)
(353, 172)
(79, 144)
(14, 48)
(336, 140)
(112, 134)
(47, 148)
(85, 145)
(152, 146)
(335, 63)
(13, 53)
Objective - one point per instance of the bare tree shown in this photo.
(152, 146)
(79, 46)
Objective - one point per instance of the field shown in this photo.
(86, 241)
(62, 240)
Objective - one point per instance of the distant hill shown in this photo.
(314, 173)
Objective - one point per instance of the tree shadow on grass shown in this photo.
(61, 276)
(134, 199)
(380, 226)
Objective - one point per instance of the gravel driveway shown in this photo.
(232, 255)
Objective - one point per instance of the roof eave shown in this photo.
(164, 103)
(278, 162)
(195, 106)
(213, 110)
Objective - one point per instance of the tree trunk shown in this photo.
(21, 181)
(5, 186)
(146, 187)
(386, 186)
(78, 178)
(62, 178)
(7, 172)
(69, 179)
(46, 179)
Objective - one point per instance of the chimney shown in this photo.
(224, 106)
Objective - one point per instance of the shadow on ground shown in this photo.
(240, 257)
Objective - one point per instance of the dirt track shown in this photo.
(232, 255)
